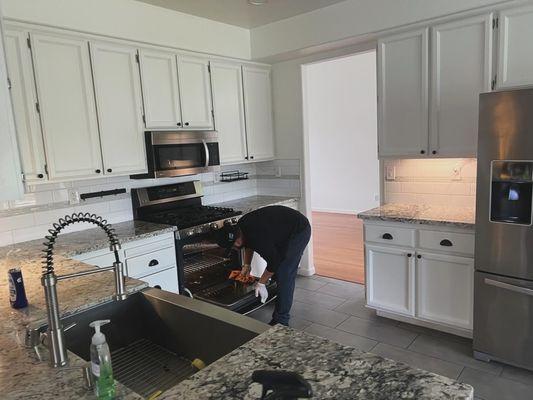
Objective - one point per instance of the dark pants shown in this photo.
(286, 275)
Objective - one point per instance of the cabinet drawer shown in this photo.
(390, 235)
(451, 242)
(103, 260)
(135, 249)
(166, 280)
(150, 263)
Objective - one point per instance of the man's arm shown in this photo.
(247, 261)
(266, 276)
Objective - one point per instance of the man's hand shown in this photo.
(261, 290)
(245, 270)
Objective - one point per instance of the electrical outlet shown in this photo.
(73, 196)
(278, 172)
(456, 173)
(390, 174)
(376, 197)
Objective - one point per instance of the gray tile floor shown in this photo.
(336, 310)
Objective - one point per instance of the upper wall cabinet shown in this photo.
(258, 111)
(119, 105)
(24, 98)
(403, 94)
(461, 59)
(515, 58)
(226, 80)
(67, 106)
(159, 75)
(195, 92)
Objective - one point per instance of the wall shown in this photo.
(342, 121)
(134, 20)
(445, 182)
(349, 19)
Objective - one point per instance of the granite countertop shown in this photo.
(22, 375)
(247, 204)
(333, 370)
(464, 217)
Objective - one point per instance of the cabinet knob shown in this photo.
(422, 151)
(157, 286)
(446, 243)
(186, 124)
(109, 170)
(153, 263)
(434, 152)
(246, 158)
(179, 123)
(409, 255)
(419, 256)
(251, 157)
(40, 176)
(97, 171)
(387, 236)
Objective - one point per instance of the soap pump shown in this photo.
(102, 371)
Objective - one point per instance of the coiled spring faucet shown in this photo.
(56, 337)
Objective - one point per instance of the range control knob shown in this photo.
(227, 222)
(213, 226)
(234, 220)
(190, 233)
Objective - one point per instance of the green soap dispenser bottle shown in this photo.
(104, 384)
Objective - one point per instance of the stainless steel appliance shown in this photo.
(170, 154)
(203, 267)
(503, 285)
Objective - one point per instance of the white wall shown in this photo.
(129, 19)
(342, 128)
(350, 19)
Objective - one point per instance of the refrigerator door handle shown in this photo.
(508, 286)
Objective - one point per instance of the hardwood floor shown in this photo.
(338, 246)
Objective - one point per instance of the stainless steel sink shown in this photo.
(154, 335)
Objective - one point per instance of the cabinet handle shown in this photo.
(179, 123)
(422, 151)
(40, 176)
(246, 158)
(157, 286)
(97, 171)
(153, 263)
(387, 236)
(252, 157)
(109, 170)
(186, 124)
(409, 255)
(446, 243)
(419, 256)
(434, 151)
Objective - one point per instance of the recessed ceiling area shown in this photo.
(240, 12)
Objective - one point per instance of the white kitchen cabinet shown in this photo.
(258, 112)
(67, 106)
(226, 81)
(119, 104)
(461, 55)
(24, 99)
(10, 178)
(444, 292)
(159, 76)
(515, 55)
(403, 94)
(165, 280)
(390, 278)
(195, 92)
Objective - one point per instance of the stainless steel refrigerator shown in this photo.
(503, 285)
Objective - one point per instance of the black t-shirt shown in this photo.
(268, 230)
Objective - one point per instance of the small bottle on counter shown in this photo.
(17, 293)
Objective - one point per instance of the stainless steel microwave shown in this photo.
(170, 154)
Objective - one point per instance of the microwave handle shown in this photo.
(206, 153)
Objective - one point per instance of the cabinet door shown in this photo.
(165, 280)
(403, 94)
(389, 279)
(195, 92)
(258, 112)
(461, 70)
(515, 63)
(444, 292)
(226, 79)
(118, 99)
(67, 106)
(24, 98)
(159, 77)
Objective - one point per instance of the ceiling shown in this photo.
(240, 13)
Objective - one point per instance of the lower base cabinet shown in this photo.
(430, 283)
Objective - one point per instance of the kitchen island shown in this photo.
(334, 371)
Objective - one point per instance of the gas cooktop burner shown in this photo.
(186, 217)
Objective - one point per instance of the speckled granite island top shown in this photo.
(22, 376)
(333, 370)
(464, 217)
(247, 204)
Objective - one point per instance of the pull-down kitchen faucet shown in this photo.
(56, 338)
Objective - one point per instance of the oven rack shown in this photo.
(199, 262)
(195, 248)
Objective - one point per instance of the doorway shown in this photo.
(343, 171)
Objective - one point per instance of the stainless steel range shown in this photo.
(203, 266)
(503, 291)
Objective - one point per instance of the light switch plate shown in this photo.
(73, 196)
(390, 173)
